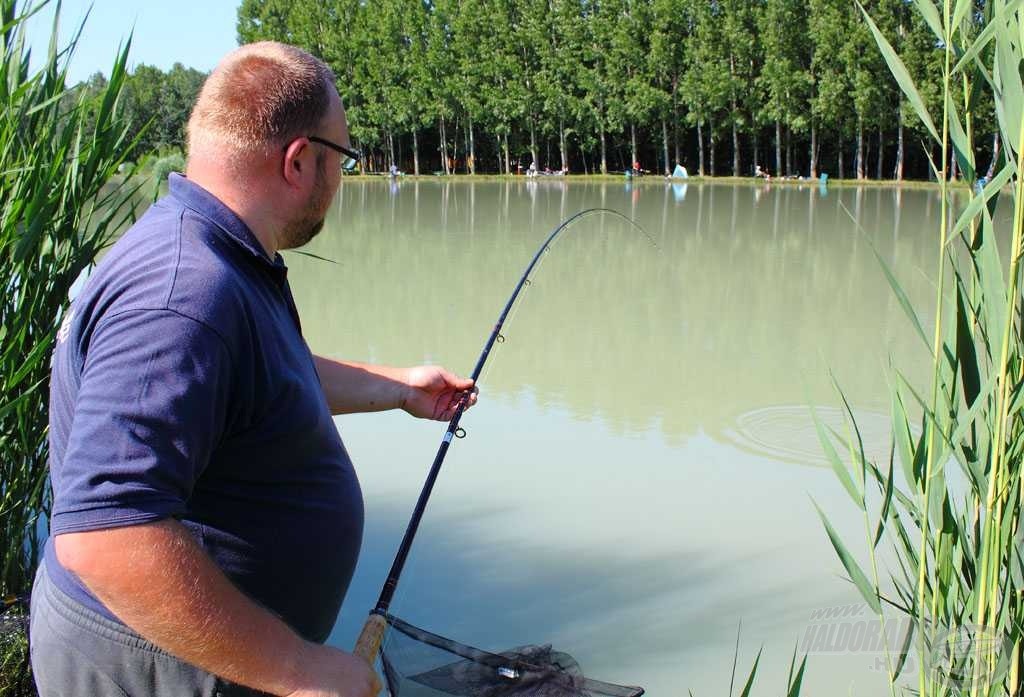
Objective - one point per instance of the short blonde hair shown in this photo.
(258, 98)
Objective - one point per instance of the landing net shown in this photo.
(418, 663)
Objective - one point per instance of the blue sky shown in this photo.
(195, 33)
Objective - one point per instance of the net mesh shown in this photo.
(418, 663)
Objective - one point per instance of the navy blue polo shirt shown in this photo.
(182, 388)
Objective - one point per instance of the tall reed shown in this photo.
(951, 520)
(60, 202)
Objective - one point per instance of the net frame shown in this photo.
(565, 676)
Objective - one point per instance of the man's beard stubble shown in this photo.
(301, 231)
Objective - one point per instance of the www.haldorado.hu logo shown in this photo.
(967, 656)
(956, 658)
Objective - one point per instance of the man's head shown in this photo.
(249, 140)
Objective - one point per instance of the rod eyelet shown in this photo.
(460, 432)
(500, 338)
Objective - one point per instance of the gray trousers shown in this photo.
(79, 653)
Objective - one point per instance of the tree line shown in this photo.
(155, 105)
(721, 86)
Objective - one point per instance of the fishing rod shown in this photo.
(372, 634)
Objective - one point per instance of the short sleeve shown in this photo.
(150, 410)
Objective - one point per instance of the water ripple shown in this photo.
(786, 432)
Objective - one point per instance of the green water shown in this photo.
(637, 478)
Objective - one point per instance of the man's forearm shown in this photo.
(159, 582)
(352, 387)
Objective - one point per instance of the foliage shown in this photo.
(616, 80)
(951, 515)
(165, 164)
(59, 150)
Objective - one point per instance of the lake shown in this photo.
(638, 476)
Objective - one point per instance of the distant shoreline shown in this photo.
(653, 179)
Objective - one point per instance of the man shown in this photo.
(206, 517)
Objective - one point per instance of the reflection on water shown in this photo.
(630, 487)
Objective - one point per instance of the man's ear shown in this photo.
(294, 154)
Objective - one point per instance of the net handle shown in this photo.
(369, 641)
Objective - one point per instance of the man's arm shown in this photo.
(428, 392)
(159, 582)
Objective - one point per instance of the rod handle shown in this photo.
(368, 643)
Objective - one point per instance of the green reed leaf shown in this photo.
(796, 685)
(842, 473)
(979, 201)
(961, 144)
(883, 516)
(750, 679)
(1009, 100)
(992, 284)
(960, 12)
(967, 356)
(982, 40)
(899, 70)
(901, 297)
(901, 434)
(931, 16)
(850, 564)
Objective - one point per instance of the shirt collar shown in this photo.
(210, 207)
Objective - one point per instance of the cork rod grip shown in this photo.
(370, 638)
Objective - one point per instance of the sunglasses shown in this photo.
(350, 158)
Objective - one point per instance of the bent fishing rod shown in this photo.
(372, 634)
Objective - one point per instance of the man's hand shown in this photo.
(434, 393)
(329, 672)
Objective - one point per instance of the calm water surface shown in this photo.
(638, 476)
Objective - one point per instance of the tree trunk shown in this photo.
(444, 148)
(470, 148)
(604, 152)
(711, 146)
(533, 143)
(675, 127)
(632, 141)
(415, 154)
(391, 148)
(700, 148)
(789, 152)
(841, 169)
(732, 117)
(757, 147)
(859, 159)
(735, 149)
(881, 155)
(814, 151)
(455, 145)
(995, 157)
(778, 147)
(563, 148)
(664, 142)
(504, 147)
(899, 147)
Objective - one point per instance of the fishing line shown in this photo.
(369, 641)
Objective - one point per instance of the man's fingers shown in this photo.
(457, 382)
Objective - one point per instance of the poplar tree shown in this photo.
(785, 81)
(831, 105)
(668, 34)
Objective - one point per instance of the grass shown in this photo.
(946, 507)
